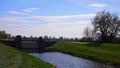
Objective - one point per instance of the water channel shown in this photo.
(61, 60)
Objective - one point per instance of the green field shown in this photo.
(13, 58)
(106, 53)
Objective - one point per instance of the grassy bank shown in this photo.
(13, 58)
(108, 53)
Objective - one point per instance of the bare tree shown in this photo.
(89, 34)
(108, 24)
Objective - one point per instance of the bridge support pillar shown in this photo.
(41, 44)
(18, 42)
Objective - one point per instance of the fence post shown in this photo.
(18, 42)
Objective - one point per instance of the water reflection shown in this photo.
(61, 60)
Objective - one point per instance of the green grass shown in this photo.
(13, 58)
(108, 53)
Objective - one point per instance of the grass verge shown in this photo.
(106, 53)
(13, 58)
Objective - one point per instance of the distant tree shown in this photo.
(54, 38)
(50, 37)
(3, 35)
(24, 37)
(107, 24)
(88, 32)
(61, 38)
(83, 39)
(12, 37)
(71, 39)
(46, 37)
(76, 39)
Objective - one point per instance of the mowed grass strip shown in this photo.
(13, 58)
(108, 53)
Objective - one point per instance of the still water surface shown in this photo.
(61, 60)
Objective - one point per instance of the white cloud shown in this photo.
(12, 20)
(24, 11)
(16, 12)
(67, 16)
(30, 10)
(97, 5)
(63, 20)
(66, 20)
(60, 19)
(47, 25)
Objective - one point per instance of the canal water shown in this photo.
(61, 60)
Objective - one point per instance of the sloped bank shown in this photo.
(104, 53)
(13, 58)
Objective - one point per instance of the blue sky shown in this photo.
(66, 18)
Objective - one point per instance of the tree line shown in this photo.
(50, 38)
(4, 35)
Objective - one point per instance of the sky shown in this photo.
(66, 18)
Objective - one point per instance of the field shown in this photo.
(13, 58)
(105, 53)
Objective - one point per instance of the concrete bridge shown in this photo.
(28, 46)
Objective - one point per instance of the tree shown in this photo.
(46, 37)
(88, 32)
(61, 38)
(107, 24)
(3, 35)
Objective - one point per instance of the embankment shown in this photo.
(13, 58)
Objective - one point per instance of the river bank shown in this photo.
(13, 58)
(104, 53)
